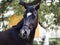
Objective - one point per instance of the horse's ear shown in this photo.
(37, 6)
(25, 6)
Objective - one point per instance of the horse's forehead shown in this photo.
(30, 8)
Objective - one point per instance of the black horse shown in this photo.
(23, 32)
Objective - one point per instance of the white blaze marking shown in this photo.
(28, 14)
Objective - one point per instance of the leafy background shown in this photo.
(49, 14)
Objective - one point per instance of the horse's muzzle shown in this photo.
(24, 33)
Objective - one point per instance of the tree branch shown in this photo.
(42, 25)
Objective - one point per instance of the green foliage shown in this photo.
(56, 10)
(44, 9)
(18, 9)
(53, 8)
(28, 1)
(3, 6)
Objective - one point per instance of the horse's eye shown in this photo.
(35, 13)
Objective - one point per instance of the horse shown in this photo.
(22, 33)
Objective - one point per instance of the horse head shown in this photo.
(30, 21)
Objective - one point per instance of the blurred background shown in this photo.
(11, 12)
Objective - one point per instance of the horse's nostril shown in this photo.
(25, 32)
(23, 35)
